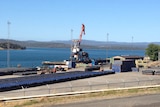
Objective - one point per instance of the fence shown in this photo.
(72, 86)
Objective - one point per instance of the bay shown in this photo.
(32, 57)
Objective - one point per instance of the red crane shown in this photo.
(82, 32)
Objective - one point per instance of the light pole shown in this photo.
(106, 48)
(71, 43)
(132, 45)
(8, 45)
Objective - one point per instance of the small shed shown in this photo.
(124, 63)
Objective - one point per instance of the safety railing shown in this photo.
(73, 86)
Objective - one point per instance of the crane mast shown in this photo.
(77, 52)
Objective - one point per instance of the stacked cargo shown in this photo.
(37, 80)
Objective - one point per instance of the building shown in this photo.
(124, 63)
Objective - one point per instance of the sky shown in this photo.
(49, 20)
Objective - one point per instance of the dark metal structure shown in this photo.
(37, 80)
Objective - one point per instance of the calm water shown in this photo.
(32, 57)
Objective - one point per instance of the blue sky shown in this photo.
(47, 20)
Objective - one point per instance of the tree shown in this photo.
(152, 51)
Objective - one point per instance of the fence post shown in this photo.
(48, 89)
(124, 85)
(23, 90)
(90, 85)
(151, 80)
(70, 86)
(138, 81)
(107, 83)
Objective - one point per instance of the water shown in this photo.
(32, 57)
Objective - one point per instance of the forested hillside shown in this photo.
(5, 45)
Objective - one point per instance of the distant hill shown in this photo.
(111, 44)
(84, 44)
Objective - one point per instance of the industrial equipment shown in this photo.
(78, 55)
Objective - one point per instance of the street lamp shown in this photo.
(132, 45)
(106, 45)
(106, 48)
(71, 43)
(8, 45)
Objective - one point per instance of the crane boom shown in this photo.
(82, 32)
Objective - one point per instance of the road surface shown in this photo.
(135, 101)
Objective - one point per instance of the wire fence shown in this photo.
(73, 86)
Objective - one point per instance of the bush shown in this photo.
(152, 51)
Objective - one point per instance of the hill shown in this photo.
(4, 45)
(84, 44)
(110, 44)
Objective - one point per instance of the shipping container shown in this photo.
(116, 68)
(127, 65)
